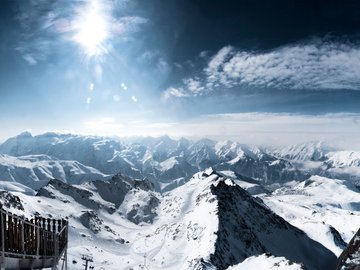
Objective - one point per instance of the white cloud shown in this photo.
(194, 86)
(91, 87)
(128, 24)
(134, 99)
(88, 100)
(172, 92)
(320, 64)
(203, 54)
(30, 59)
(219, 59)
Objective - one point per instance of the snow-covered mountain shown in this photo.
(314, 150)
(164, 161)
(210, 222)
(328, 210)
(318, 158)
(283, 208)
(35, 171)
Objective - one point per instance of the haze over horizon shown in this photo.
(258, 72)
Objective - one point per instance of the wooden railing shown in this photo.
(39, 238)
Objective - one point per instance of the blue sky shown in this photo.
(256, 71)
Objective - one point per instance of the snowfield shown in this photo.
(178, 204)
(266, 262)
(207, 223)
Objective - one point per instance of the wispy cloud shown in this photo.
(173, 92)
(319, 64)
(30, 59)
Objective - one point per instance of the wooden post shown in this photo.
(43, 237)
(31, 236)
(49, 236)
(56, 248)
(37, 236)
(26, 236)
(2, 232)
(10, 235)
(22, 237)
(17, 234)
(58, 225)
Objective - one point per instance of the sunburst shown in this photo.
(91, 28)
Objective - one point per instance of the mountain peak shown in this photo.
(25, 134)
(247, 227)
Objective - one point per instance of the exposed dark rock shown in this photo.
(10, 200)
(91, 221)
(337, 238)
(247, 227)
(144, 212)
(80, 195)
(114, 190)
(349, 259)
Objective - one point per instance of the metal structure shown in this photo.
(32, 244)
(87, 259)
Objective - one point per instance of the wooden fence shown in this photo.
(38, 238)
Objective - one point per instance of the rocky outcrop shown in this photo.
(247, 227)
(10, 200)
(349, 259)
(135, 198)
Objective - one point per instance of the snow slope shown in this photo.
(266, 262)
(35, 171)
(207, 223)
(328, 210)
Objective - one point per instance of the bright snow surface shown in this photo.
(184, 233)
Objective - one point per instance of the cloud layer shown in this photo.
(317, 65)
(338, 130)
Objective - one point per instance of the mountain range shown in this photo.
(166, 162)
(163, 203)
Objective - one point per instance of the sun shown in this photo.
(91, 28)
